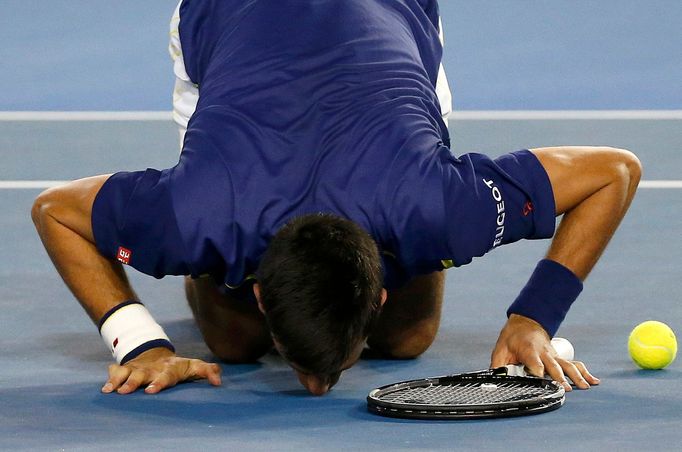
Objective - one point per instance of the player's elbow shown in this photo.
(628, 168)
(40, 208)
(47, 207)
(634, 167)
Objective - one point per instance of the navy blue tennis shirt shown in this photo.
(317, 106)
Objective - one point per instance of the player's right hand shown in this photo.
(158, 369)
(524, 341)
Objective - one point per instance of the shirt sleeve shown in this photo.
(495, 202)
(133, 221)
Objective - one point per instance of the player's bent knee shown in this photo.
(236, 346)
(233, 332)
(408, 346)
(408, 350)
(236, 354)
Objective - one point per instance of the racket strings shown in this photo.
(465, 394)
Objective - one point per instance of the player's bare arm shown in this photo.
(593, 188)
(62, 217)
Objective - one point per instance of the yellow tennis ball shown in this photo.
(652, 345)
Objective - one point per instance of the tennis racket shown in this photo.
(501, 392)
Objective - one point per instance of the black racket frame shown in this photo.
(536, 405)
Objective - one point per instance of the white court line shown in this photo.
(660, 184)
(30, 184)
(466, 115)
(85, 116)
(42, 184)
(564, 115)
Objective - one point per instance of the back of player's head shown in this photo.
(320, 285)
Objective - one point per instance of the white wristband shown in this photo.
(129, 330)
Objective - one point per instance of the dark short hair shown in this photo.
(320, 283)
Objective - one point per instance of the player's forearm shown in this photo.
(585, 231)
(593, 188)
(587, 227)
(97, 283)
(62, 219)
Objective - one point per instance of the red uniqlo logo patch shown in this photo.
(527, 209)
(123, 255)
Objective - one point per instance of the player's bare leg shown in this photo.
(233, 329)
(410, 318)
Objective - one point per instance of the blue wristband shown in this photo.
(548, 295)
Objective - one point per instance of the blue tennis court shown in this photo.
(53, 362)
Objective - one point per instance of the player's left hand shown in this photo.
(158, 369)
(524, 341)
